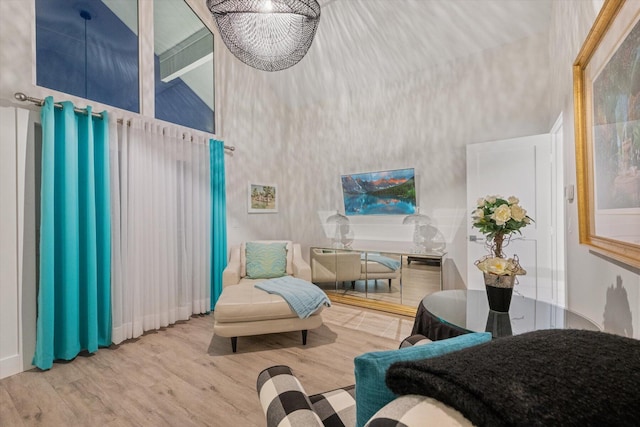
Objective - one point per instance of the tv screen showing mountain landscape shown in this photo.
(380, 193)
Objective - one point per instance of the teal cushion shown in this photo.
(370, 368)
(266, 260)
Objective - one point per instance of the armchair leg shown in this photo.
(389, 284)
(234, 344)
(304, 336)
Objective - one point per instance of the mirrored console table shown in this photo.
(387, 279)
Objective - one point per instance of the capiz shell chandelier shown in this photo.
(269, 35)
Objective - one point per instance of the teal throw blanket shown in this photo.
(303, 297)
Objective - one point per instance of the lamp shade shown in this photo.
(343, 234)
(269, 35)
(420, 222)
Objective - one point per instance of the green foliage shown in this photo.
(497, 216)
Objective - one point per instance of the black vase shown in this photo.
(499, 298)
(499, 324)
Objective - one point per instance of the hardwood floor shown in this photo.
(184, 376)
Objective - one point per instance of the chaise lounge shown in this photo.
(244, 310)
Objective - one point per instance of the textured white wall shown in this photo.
(10, 286)
(422, 121)
(596, 287)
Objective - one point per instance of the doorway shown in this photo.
(532, 169)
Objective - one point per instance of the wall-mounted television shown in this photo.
(391, 192)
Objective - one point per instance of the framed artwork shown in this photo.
(607, 125)
(263, 198)
(390, 192)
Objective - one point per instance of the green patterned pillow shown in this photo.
(266, 260)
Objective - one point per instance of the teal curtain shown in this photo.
(74, 296)
(218, 219)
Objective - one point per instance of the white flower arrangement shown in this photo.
(497, 218)
(500, 266)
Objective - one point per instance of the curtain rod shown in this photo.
(40, 102)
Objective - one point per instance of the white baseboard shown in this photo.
(10, 366)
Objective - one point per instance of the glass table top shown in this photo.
(469, 310)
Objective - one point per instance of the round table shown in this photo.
(450, 313)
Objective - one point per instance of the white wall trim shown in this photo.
(10, 287)
(558, 194)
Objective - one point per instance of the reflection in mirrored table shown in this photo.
(386, 276)
(463, 311)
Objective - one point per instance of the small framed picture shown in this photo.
(263, 198)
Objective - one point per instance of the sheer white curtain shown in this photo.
(161, 210)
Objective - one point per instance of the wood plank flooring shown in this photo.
(184, 376)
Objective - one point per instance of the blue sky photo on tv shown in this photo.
(390, 192)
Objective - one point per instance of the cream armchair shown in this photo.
(236, 270)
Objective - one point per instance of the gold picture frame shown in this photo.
(606, 76)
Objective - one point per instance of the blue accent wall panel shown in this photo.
(83, 49)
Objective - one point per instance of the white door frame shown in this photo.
(558, 192)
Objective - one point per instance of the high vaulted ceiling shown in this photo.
(360, 41)
(425, 31)
(364, 41)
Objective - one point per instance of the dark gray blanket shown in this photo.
(541, 378)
